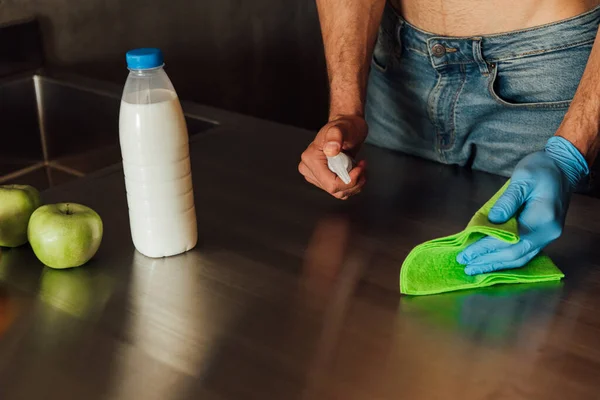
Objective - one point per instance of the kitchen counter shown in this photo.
(57, 127)
(291, 294)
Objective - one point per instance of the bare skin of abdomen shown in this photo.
(485, 17)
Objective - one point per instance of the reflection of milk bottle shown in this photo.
(156, 161)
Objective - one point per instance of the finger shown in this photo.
(343, 195)
(308, 175)
(358, 171)
(509, 203)
(333, 184)
(475, 269)
(347, 193)
(315, 166)
(334, 138)
(312, 181)
(362, 180)
(316, 161)
(302, 168)
(483, 246)
(507, 254)
(305, 171)
(356, 174)
(358, 180)
(351, 194)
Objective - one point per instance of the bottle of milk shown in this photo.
(156, 161)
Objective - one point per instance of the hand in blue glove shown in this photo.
(539, 192)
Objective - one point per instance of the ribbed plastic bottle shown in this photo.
(156, 161)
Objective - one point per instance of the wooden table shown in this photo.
(291, 294)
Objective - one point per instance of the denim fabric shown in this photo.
(483, 102)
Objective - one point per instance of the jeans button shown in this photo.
(438, 50)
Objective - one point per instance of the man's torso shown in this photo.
(476, 17)
(480, 100)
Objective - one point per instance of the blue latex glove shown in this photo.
(539, 191)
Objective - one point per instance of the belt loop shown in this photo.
(478, 56)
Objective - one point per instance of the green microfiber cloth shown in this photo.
(431, 267)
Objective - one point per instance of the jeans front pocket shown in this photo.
(384, 51)
(546, 80)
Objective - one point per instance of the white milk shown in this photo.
(156, 162)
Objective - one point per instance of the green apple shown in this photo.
(64, 235)
(17, 203)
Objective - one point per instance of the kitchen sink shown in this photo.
(54, 130)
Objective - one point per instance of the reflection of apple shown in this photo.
(71, 291)
(78, 292)
(17, 203)
(65, 235)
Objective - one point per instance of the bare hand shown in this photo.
(345, 133)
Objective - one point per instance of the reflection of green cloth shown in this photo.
(495, 315)
(432, 268)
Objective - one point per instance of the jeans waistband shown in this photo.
(445, 50)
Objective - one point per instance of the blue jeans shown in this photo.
(482, 102)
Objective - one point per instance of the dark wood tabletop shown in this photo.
(291, 294)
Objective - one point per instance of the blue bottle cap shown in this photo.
(145, 58)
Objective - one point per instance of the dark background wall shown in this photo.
(257, 57)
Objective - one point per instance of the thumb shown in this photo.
(509, 203)
(334, 137)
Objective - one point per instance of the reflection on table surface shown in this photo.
(292, 295)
